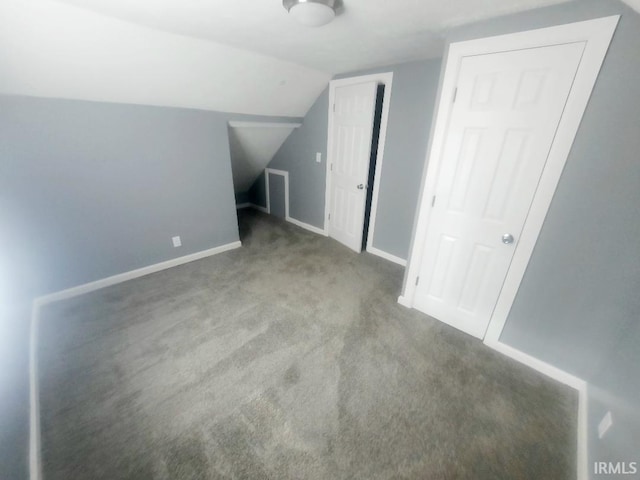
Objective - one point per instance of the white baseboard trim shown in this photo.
(242, 205)
(140, 272)
(542, 367)
(35, 465)
(562, 377)
(583, 433)
(404, 301)
(387, 256)
(259, 208)
(35, 457)
(306, 226)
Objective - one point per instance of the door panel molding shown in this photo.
(496, 149)
(385, 79)
(596, 34)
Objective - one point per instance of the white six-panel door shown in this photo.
(352, 130)
(506, 111)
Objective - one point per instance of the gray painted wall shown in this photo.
(413, 97)
(578, 306)
(298, 156)
(412, 102)
(615, 386)
(276, 195)
(89, 190)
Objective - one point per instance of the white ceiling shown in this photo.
(242, 56)
(635, 4)
(367, 33)
(52, 49)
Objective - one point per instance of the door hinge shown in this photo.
(455, 94)
(433, 201)
(334, 108)
(332, 167)
(329, 216)
(417, 281)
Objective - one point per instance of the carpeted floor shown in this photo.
(286, 359)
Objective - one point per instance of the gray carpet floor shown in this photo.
(286, 359)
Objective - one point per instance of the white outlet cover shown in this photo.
(319, 157)
(605, 424)
(176, 241)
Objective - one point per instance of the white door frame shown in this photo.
(287, 217)
(285, 175)
(385, 79)
(596, 34)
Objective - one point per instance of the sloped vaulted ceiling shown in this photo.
(239, 56)
(52, 49)
(366, 33)
(252, 148)
(635, 4)
(244, 56)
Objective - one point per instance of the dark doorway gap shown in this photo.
(372, 163)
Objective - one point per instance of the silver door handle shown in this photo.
(361, 187)
(507, 238)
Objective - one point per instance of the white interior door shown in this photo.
(351, 132)
(505, 114)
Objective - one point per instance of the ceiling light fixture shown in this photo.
(313, 13)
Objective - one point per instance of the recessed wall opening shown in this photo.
(252, 145)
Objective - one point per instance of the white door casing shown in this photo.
(285, 175)
(596, 36)
(506, 110)
(350, 155)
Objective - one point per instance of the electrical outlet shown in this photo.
(605, 424)
(176, 241)
(319, 157)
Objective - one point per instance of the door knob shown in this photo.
(361, 187)
(507, 238)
